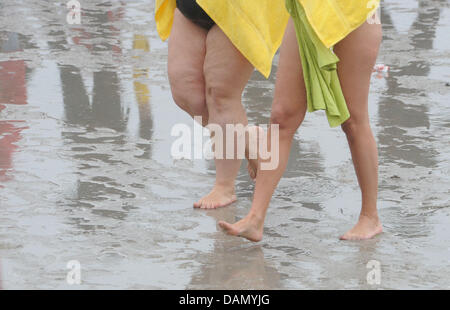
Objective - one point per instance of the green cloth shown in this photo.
(319, 64)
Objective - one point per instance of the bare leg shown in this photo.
(187, 67)
(226, 73)
(355, 70)
(357, 54)
(187, 50)
(288, 111)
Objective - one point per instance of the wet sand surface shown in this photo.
(86, 172)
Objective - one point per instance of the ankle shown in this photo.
(373, 215)
(225, 186)
(256, 218)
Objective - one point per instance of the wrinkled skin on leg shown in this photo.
(207, 75)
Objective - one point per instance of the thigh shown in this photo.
(290, 93)
(358, 53)
(187, 48)
(226, 70)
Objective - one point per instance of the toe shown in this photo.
(352, 237)
(227, 227)
(345, 237)
(198, 204)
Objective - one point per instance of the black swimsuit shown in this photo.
(192, 11)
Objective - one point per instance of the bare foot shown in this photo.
(218, 197)
(366, 228)
(248, 228)
(254, 134)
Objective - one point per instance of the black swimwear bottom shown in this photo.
(192, 11)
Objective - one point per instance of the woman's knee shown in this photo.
(187, 91)
(287, 118)
(354, 127)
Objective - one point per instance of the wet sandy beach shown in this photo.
(86, 172)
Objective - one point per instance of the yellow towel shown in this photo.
(333, 20)
(256, 27)
(164, 10)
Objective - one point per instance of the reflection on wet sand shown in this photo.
(233, 265)
(399, 108)
(142, 93)
(221, 269)
(101, 107)
(404, 116)
(12, 91)
(88, 110)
